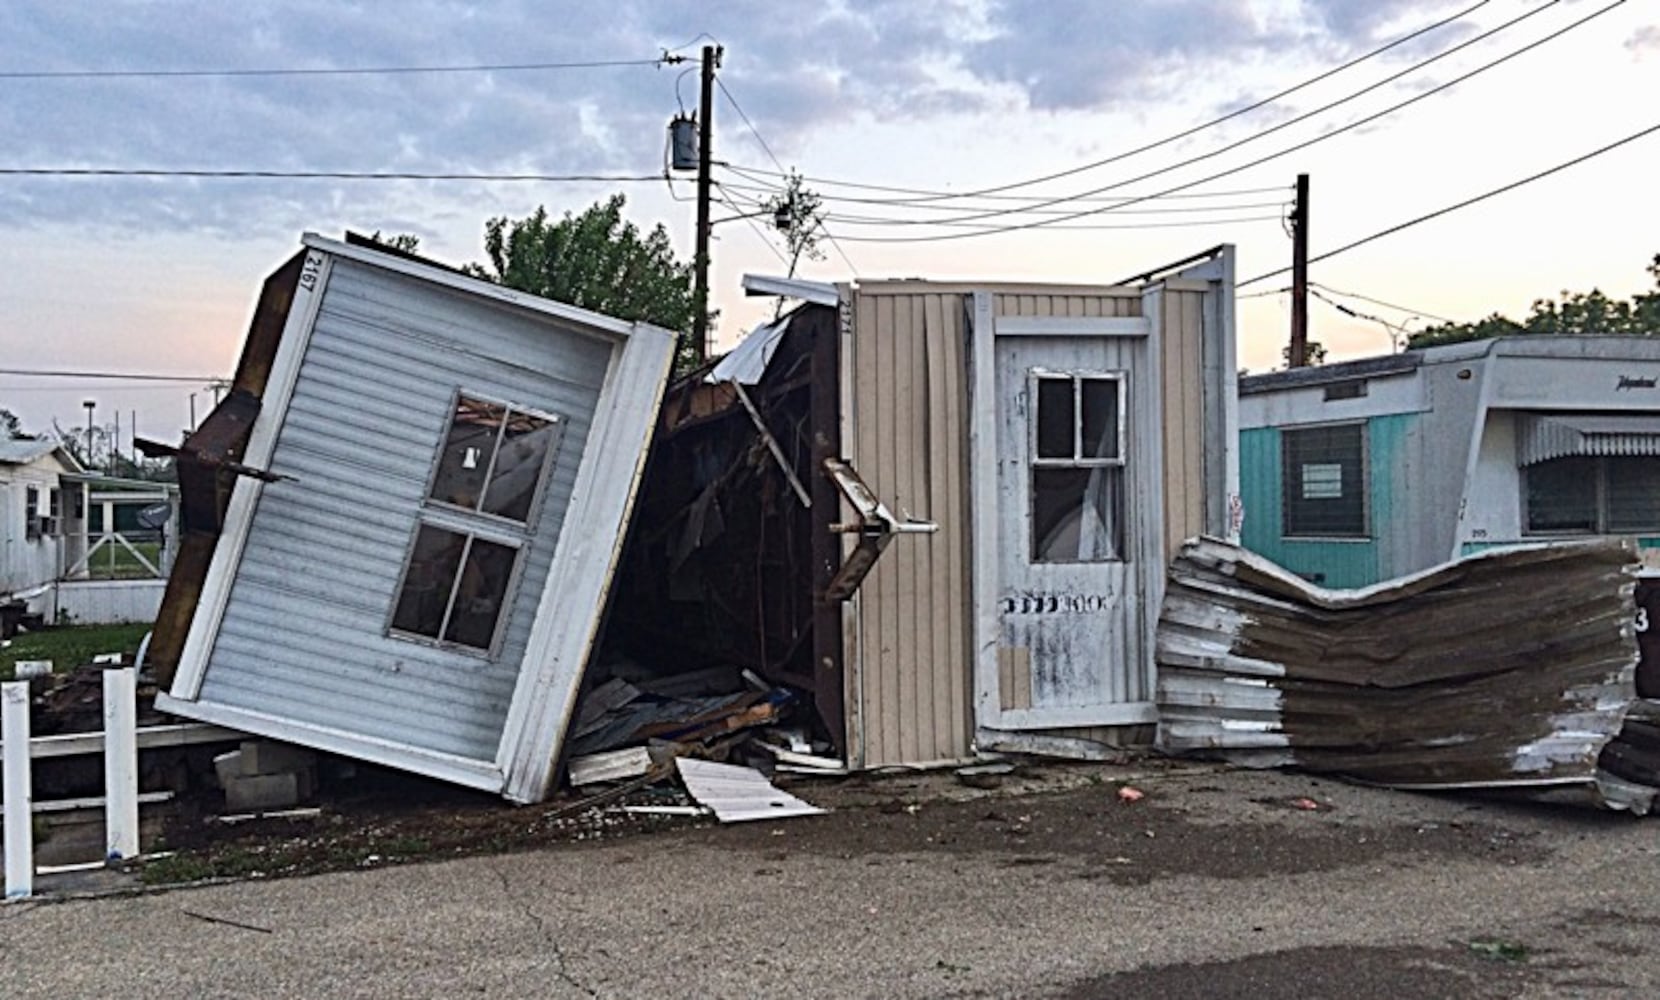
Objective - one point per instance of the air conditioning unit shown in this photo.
(51, 527)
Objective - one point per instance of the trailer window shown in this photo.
(480, 507)
(1324, 481)
(1593, 495)
(1077, 466)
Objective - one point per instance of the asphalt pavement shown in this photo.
(1215, 883)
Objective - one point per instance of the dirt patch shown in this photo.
(1351, 972)
(1089, 833)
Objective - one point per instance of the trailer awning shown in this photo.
(1542, 437)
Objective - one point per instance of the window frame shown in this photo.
(1119, 460)
(1291, 487)
(473, 523)
(31, 512)
(1600, 509)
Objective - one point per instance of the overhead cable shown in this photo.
(1339, 130)
(1513, 185)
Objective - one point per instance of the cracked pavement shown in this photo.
(1215, 885)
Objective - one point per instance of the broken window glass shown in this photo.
(493, 458)
(1077, 485)
(429, 582)
(526, 442)
(489, 477)
(1075, 514)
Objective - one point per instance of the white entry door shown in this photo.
(1068, 520)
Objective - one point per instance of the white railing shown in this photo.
(119, 742)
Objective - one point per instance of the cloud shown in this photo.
(1644, 40)
(794, 70)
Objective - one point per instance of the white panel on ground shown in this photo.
(737, 794)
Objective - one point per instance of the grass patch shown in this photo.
(115, 562)
(71, 646)
(1497, 950)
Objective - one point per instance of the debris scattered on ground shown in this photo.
(1305, 804)
(737, 794)
(1129, 793)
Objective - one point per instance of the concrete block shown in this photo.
(269, 757)
(263, 792)
(227, 766)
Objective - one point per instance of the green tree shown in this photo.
(596, 260)
(1571, 313)
(797, 214)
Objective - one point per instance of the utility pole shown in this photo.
(1298, 355)
(700, 261)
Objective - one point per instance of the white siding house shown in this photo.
(35, 506)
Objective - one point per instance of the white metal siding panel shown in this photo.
(303, 636)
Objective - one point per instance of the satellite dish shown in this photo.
(155, 516)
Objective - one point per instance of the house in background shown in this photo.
(1361, 471)
(39, 513)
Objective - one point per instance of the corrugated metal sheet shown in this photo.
(303, 637)
(1546, 436)
(1510, 668)
(909, 656)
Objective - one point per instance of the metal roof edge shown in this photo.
(817, 292)
(587, 318)
(1340, 371)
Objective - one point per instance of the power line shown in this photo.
(1036, 211)
(336, 175)
(1340, 130)
(1380, 302)
(817, 222)
(757, 174)
(126, 376)
(1212, 123)
(134, 74)
(749, 124)
(1513, 185)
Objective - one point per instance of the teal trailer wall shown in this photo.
(1335, 562)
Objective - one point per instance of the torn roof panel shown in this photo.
(1510, 668)
(418, 580)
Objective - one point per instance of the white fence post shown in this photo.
(19, 818)
(120, 763)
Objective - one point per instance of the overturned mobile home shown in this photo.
(399, 526)
(1510, 669)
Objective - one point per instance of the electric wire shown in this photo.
(1380, 302)
(1193, 130)
(138, 74)
(760, 176)
(1038, 211)
(1492, 193)
(818, 221)
(1339, 130)
(337, 175)
(127, 376)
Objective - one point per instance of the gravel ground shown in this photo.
(1214, 884)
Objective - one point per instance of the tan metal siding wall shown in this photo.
(1182, 341)
(910, 657)
(911, 397)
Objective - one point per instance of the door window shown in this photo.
(477, 518)
(1077, 466)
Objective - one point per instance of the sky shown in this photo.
(158, 275)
